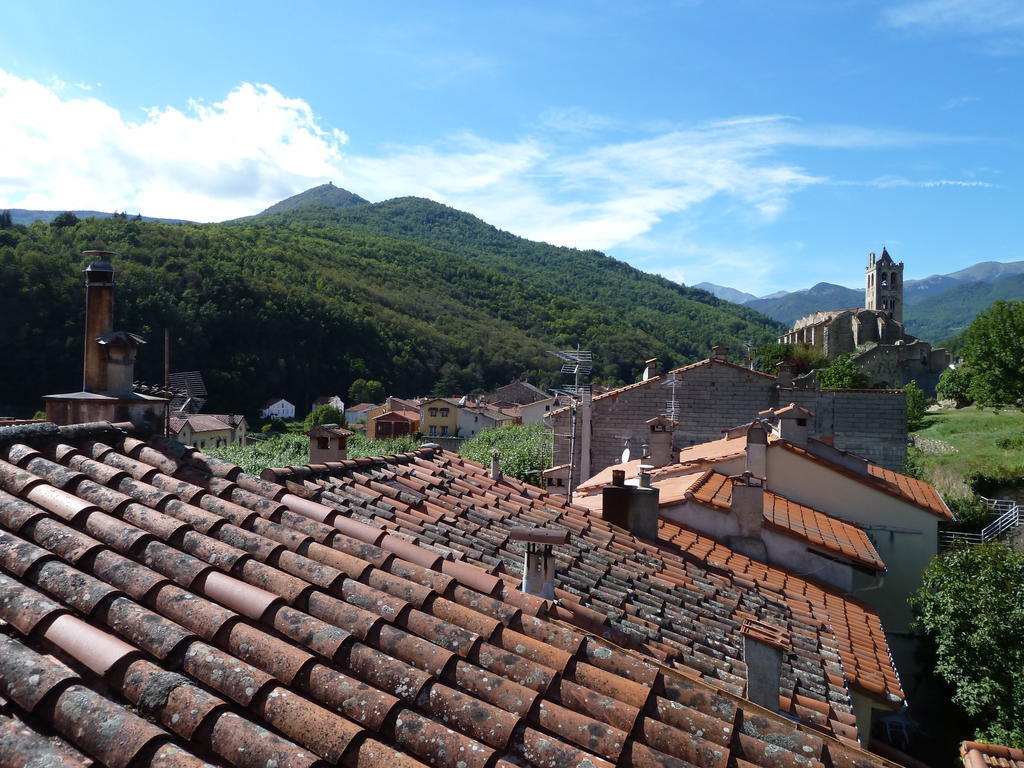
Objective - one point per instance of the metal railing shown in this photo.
(1005, 517)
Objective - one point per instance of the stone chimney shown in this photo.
(784, 373)
(659, 442)
(793, 422)
(651, 368)
(495, 473)
(108, 370)
(99, 318)
(748, 508)
(757, 450)
(718, 352)
(634, 508)
(763, 646)
(539, 561)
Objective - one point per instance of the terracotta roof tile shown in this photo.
(309, 632)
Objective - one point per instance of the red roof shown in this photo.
(163, 606)
(977, 754)
(796, 520)
(910, 489)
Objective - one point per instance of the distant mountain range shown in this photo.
(937, 307)
(26, 216)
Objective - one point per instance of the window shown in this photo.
(433, 430)
(444, 429)
(433, 411)
(444, 413)
(323, 443)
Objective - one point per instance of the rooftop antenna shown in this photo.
(672, 406)
(577, 363)
(750, 358)
(625, 453)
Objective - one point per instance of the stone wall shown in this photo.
(714, 396)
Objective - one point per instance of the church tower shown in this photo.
(884, 285)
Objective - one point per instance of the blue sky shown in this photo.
(760, 145)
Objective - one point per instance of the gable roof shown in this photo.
(796, 520)
(205, 422)
(361, 407)
(909, 489)
(613, 393)
(274, 401)
(681, 483)
(258, 627)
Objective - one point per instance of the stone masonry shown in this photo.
(714, 395)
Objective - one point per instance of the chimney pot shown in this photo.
(618, 477)
(495, 472)
(719, 352)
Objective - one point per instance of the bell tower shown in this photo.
(883, 288)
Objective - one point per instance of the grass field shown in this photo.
(956, 446)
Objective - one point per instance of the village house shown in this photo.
(713, 395)
(357, 413)
(805, 478)
(334, 401)
(277, 408)
(439, 417)
(208, 430)
(394, 418)
(475, 418)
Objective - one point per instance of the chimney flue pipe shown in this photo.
(99, 318)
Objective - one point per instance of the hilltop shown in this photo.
(326, 195)
(302, 302)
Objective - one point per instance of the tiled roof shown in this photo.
(450, 505)
(163, 608)
(796, 520)
(910, 489)
(979, 755)
(362, 407)
(661, 377)
(202, 422)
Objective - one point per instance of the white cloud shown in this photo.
(211, 162)
(205, 163)
(958, 101)
(999, 22)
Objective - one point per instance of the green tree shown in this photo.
(994, 350)
(5, 220)
(802, 357)
(972, 605)
(844, 373)
(523, 450)
(324, 414)
(917, 405)
(955, 384)
(363, 391)
(66, 219)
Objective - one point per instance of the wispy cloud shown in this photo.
(958, 101)
(891, 182)
(256, 146)
(999, 23)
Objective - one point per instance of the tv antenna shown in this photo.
(577, 363)
(672, 406)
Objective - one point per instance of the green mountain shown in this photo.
(301, 303)
(790, 307)
(948, 314)
(326, 195)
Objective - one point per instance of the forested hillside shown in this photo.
(302, 303)
(941, 317)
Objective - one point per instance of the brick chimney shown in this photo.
(99, 318)
(784, 373)
(651, 368)
(792, 423)
(659, 442)
(328, 442)
(748, 508)
(757, 450)
(763, 646)
(718, 352)
(634, 507)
